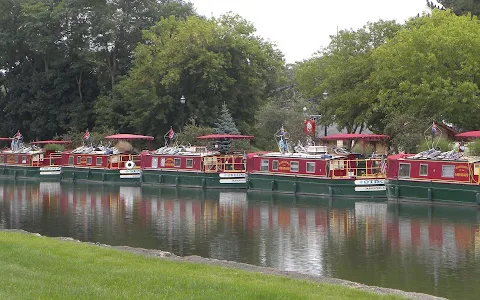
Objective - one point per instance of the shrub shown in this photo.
(474, 148)
(442, 143)
(54, 147)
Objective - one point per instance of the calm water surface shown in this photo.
(428, 249)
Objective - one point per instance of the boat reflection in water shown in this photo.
(429, 249)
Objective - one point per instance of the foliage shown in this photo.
(430, 70)
(189, 135)
(460, 7)
(406, 132)
(342, 71)
(40, 267)
(57, 57)
(210, 62)
(366, 148)
(442, 143)
(54, 147)
(474, 148)
(270, 119)
(225, 123)
(96, 136)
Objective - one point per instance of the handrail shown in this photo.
(372, 168)
(225, 164)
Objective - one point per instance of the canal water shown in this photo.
(420, 248)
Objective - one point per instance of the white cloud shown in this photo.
(302, 27)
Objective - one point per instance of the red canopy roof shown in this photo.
(468, 135)
(5, 139)
(127, 136)
(355, 136)
(51, 142)
(225, 136)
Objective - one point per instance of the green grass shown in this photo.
(35, 267)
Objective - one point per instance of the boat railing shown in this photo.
(224, 164)
(358, 168)
(52, 160)
(122, 161)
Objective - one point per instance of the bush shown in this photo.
(190, 133)
(54, 147)
(443, 144)
(360, 148)
(474, 148)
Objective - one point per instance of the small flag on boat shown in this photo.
(18, 135)
(434, 129)
(171, 133)
(86, 135)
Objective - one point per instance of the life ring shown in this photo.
(129, 165)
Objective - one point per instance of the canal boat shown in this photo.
(112, 163)
(197, 166)
(434, 176)
(35, 160)
(320, 170)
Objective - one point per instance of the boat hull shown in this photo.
(124, 177)
(315, 186)
(30, 173)
(193, 179)
(433, 192)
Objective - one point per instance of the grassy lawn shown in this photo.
(40, 267)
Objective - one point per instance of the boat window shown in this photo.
(99, 161)
(16, 159)
(264, 165)
(310, 167)
(176, 163)
(338, 165)
(423, 170)
(404, 171)
(275, 165)
(294, 166)
(190, 163)
(70, 160)
(448, 171)
(24, 159)
(2, 159)
(79, 160)
(89, 160)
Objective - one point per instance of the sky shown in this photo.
(299, 28)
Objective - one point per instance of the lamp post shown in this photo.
(325, 96)
(182, 104)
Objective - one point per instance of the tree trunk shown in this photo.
(79, 85)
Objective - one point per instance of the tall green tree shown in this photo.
(225, 123)
(460, 7)
(339, 77)
(430, 70)
(208, 61)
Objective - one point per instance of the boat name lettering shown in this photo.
(284, 165)
(461, 174)
(461, 171)
(369, 181)
(370, 188)
(169, 162)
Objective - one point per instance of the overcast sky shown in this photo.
(301, 27)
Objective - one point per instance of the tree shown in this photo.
(225, 123)
(208, 61)
(460, 7)
(342, 71)
(430, 71)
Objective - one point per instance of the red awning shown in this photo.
(127, 136)
(225, 136)
(51, 142)
(468, 135)
(355, 136)
(5, 139)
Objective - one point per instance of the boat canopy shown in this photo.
(51, 142)
(469, 135)
(225, 136)
(5, 139)
(355, 136)
(127, 136)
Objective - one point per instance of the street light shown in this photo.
(182, 104)
(325, 96)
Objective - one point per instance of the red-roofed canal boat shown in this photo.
(434, 176)
(105, 163)
(196, 166)
(32, 161)
(315, 170)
